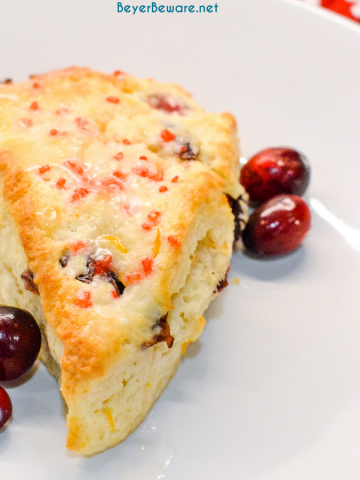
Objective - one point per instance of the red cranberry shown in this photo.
(20, 341)
(274, 171)
(278, 226)
(161, 102)
(5, 407)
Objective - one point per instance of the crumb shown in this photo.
(235, 281)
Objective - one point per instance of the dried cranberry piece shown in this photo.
(115, 282)
(237, 212)
(160, 102)
(278, 226)
(223, 282)
(28, 278)
(163, 336)
(107, 274)
(189, 152)
(275, 171)
(64, 260)
(90, 272)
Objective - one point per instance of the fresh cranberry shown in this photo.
(278, 226)
(274, 171)
(5, 407)
(20, 341)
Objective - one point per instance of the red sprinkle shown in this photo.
(81, 122)
(154, 214)
(144, 172)
(175, 179)
(143, 157)
(113, 99)
(76, 168)
(60, 183)
(34, 106)
(53, 132)
(133, 277)
(174, 242)
(119, 156)
(120, 175)
(126, 141)
(167, 136)
(36, 85)
(61, 111)
(84, 299)
(44, 169)
(111, 184)
(153, 217)
(126, 208)
(141, 171)
(163, 189)
(114, 294)
(76, 247)
(158, 176)
(79, 193)
(147, 264)
(26, 122)
(118, 72)
(102, 266)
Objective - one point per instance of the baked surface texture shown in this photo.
(116, 234)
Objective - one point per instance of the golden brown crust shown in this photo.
(87, 357)
(84, 358)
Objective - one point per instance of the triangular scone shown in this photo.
(115, 233)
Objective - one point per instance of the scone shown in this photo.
(116, 232)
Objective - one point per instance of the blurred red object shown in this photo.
(347, 8)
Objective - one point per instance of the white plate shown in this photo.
(272, 390)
